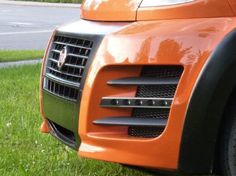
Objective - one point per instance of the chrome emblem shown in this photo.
(62, 57)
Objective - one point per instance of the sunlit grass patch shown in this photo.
(23, 149)
(16, 55)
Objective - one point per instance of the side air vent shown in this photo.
(156, 88)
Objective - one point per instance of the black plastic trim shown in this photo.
(207, 104)
(143, 81)
(60, 136)
(131, 121)
(97, 39)
(58, 96)
(62, 81)
(135, 102)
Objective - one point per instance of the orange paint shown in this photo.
(185, 35)
(44, 126)
(233, 5)
(146, 43)
(195, 9)
(129, 10)
(110, 10)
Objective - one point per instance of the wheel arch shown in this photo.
(205, 111)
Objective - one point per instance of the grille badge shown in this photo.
(62, 57)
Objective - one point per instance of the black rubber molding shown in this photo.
(131, 121)
(143, 81)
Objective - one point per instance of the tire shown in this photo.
(228, 144)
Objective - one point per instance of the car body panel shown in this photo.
(194, 9)
(110, 10)
(184, 35)
(129, 10)
(179, 42)
(233, 5)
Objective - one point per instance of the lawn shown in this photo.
(23, 149)
(16, 55)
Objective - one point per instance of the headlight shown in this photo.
(152, 3)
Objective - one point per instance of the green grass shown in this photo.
(56, 1)
(16, 55)
(23, 149)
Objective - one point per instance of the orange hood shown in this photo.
(110, 10)
(130, 10)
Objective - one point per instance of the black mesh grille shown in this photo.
(71, 73)
(145, 132)
(148, 132)
(151, 113)
(158, 91)
(162, 71)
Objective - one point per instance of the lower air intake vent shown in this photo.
(154, 91)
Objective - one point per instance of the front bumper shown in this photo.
(123, 51)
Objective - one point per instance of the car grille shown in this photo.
(65, 81)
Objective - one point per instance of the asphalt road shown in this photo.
(29, 27)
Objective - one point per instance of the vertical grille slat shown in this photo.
(78, 51)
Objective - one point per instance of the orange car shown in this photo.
(148, 83)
